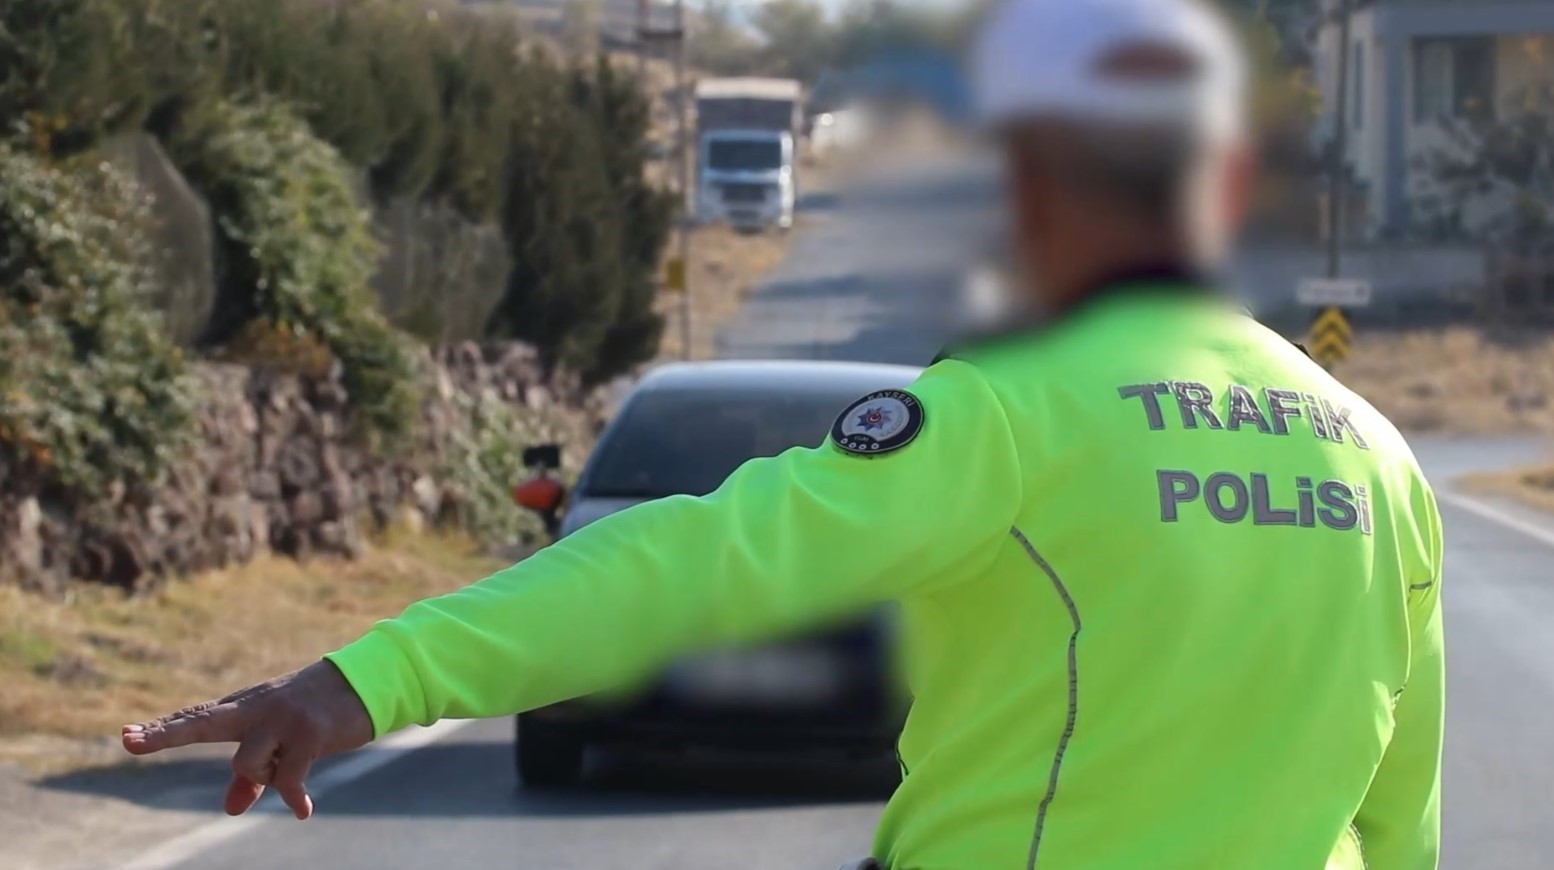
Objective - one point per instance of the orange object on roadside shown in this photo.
(541, 494)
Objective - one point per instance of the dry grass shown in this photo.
(1456, 380)
(725, 266)
(1533, 487)
(78, 668)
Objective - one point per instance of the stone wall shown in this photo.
(272, 469)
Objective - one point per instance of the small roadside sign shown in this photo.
(674, 275)
(1330, 337)
(1333, 292)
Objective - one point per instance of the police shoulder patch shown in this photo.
(878, 423)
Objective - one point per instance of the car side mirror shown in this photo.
(544, 456)
(543, 495)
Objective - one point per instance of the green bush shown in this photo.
(484, 462)
(91, 392)
(403, 60)
(584, 226)
(563, 235)
(297, 251)
(68, 71)
(420, 94)
(485, 87)
(646, 215)
(385, 82)
(447, 104)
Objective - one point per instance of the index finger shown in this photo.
(210, 722)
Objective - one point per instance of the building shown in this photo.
(1415, 66)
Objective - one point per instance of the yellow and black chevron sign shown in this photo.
(1330, 337)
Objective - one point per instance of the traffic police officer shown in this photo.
(1170, 591)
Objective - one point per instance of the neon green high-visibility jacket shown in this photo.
(1169, 598)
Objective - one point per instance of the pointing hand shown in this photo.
(281, 727)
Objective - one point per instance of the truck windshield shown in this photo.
(744, 155)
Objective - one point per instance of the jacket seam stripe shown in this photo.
(1073, 692)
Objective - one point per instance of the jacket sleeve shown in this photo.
(786, 542)
(1400, 820)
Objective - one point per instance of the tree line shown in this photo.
(292, 118)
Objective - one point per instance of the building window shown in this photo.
(1357, 99)
(1453, 78)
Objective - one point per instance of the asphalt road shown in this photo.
(873, 277)
(876, 274)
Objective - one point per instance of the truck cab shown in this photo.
(746, 178)
(746, 138)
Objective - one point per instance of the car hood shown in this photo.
(585, 510)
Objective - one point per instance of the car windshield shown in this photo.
(686, 443)
(744, 155)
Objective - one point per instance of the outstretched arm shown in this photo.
(786, 541)
(810, 534)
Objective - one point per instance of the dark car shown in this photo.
(683, 430)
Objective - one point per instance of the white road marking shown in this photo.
(1490, 512)
(389, 749)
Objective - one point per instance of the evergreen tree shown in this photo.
(565, 242)
(646, 215)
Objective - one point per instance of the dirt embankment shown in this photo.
(73, 669)
(76, 667)
(1456, 381)
(724, 267)
(1462, 381)
(1533, 487)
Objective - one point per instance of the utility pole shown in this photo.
(642, 37)
(678, 278)
(682, 164)
(1336, 180)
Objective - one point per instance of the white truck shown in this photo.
(746, 151)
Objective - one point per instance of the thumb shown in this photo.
(211, 722)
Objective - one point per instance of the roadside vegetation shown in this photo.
(295, 122)
(725, 266)
(1456, 381)
(297, 125)
(1459, 382)
(293, 127)
(1533, 487)
(77, 668)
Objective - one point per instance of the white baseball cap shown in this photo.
(1036, 59)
